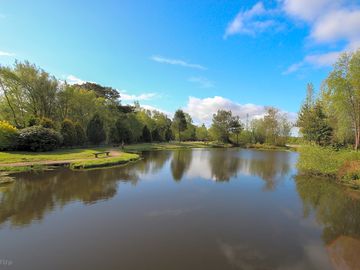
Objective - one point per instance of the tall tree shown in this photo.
(95, 130)
(179, 122)
(343, 92)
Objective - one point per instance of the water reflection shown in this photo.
(338, 211)
(35, 194)
(180, 163)
(303, 224)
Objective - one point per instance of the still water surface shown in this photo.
(188, 209)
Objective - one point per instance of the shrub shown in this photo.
(47, 123)
(38, 138)
(95, 130)
(68, 132)
(146, 135)
(155, 135)
(8, 136)
(325, 160)
(80, 134)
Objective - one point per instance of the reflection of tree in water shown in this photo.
(270, 166)
(35, 194)
(338, 212)
(224, 164)
(180, 163)
(152, 161)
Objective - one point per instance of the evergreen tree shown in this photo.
(95, 130)
(179, 122)
(68, 133)
(146, 135)
(80, 134)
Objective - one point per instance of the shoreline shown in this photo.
(83, 158)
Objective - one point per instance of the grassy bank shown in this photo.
(342, 165)
(104, 162)
(264, 146)
(173, 145)
(14, 161)
(57, 155)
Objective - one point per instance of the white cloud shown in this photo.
(178, 62)
(252, 21)
(330, 22)
(127, 97)
(152, 108)
(202, 82)
(308, 10)
(202, 110)
(343, 24)
(9, 54)
(314, 60)
(71, 79)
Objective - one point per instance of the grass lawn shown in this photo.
(104, 162)
(61, 154)
(172, 145)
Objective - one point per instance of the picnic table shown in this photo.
(100, 153)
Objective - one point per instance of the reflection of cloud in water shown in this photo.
(244, 257)
(247, 257)
(200, 166)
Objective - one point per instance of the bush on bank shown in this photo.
(342, 164)
(8, 136)
(38, 139)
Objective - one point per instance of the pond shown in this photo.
(185, 209)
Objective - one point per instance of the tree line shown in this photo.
(39, 112)
(332, 118)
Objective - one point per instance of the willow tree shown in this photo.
(343, 93)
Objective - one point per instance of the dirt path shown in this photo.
(113, 153)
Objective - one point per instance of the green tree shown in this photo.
(223, 123)
(179, 122)
(68, 133)
(146, 135)
(236, 127)
(202, 133)
(80, 134)
(343, 93)
(95, 130)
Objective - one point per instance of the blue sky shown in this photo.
(197, 55)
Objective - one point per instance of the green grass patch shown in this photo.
(61, 154)
(173, 146)
(104, 161)
(343, 164)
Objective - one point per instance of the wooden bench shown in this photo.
(100, 153)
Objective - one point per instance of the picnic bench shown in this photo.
(100, 153)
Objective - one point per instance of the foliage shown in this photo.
(8, 136)
(179, 122)
(47, 123)
(202, 133)
(146, 135)
(80, 135)
(324, 160)
(38, 138)
(223, 124)
(95, 130)
(341, 97)
(273, 129)
(68, 133)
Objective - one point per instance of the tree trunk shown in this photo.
(179, 135)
